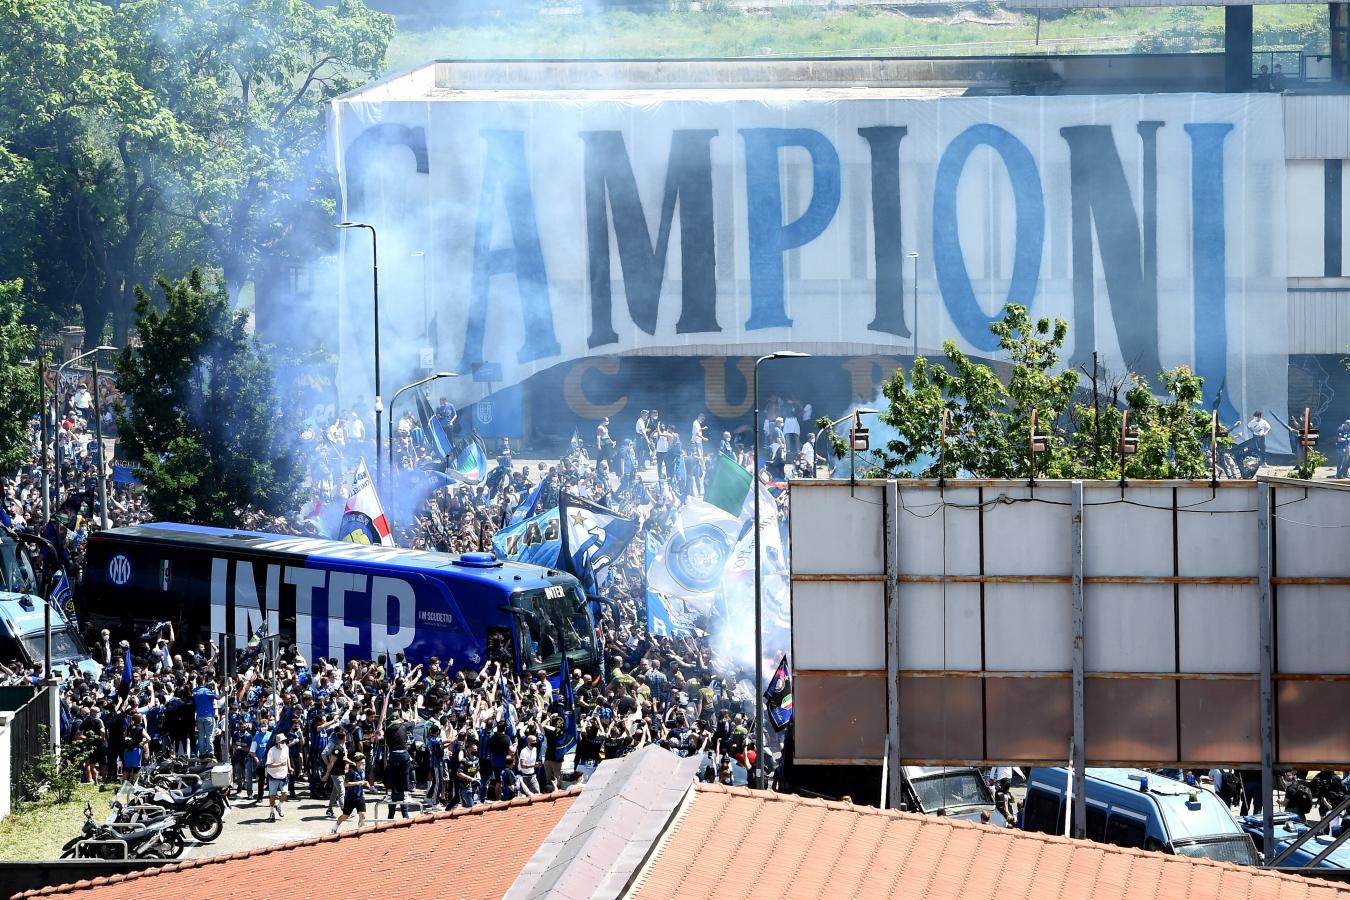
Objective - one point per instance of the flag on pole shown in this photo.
(690, 564)
(526, 508)
(593, 537)
(536, 540)
(778, 696)
(363, 518)
(728, 485)
(469, 462)
(662, 619)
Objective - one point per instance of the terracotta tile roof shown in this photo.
(734, 842)
(462, 853)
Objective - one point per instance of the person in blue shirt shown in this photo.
(262, 739)
(204, 699)
(354, 798)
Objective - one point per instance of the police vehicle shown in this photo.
(1135, 808)
(23, 622)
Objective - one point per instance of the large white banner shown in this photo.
(526, 231)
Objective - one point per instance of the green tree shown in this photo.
(18, 380)
(988, 434)
(138, 135)
(201, 410)
(989, 418)
(1174, 430)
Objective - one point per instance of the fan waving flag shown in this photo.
(363, 518)
(778, 696)
(593, 537)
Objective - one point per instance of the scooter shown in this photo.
(151, 838)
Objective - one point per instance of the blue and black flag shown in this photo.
(778, 696)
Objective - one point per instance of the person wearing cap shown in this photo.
(278, 770)
(354, 798)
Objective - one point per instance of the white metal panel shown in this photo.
(1304, 197)
(1319, 321)
(1219, 628)
(1128, 628)
(845, 622)
(1127, 538)
(937, 539)
(1312, 533)
(925, 644)
(1316, 126)
(1312, 629)
(834, 533)
(1028, 538)
(1029, 627)
(1216, 530)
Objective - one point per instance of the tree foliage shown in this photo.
(141, 135)
(201, 412)
(18, 380)
(989, 417)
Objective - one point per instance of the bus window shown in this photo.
(540, 645)
(499, 647)
(1125, 832)
(1042, 813)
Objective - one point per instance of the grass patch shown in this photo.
(811, 30)
(39, 830)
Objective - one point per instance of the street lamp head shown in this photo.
(865, 411)
(446, 375)
(788, 354)
(347, 225)
(913, 254)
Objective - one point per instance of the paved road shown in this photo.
(247, 826)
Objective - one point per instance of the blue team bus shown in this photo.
(337, 600)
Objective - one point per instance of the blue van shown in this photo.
(1135, 808)
(1288, 828)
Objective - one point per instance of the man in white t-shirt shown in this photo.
(278, 770)
(1258, 428)
(526, 763)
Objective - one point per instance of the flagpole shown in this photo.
(757, 771)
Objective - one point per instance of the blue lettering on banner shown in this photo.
(770, 237)
(953, 279)
(505, 168)
(1209, 263)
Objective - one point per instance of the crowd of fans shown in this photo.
(437, 734)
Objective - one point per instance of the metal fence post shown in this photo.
(1079, 771)
(895, 787)
(1265, 618)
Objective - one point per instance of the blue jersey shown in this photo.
(356, 791)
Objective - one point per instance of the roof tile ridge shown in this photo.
(800, 861)
(871, 861)
(893, 889)
(269, 849)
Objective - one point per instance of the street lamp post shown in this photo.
(43, 412)
(914, 257)
(375, 285)
(757, 772)
(98, 426)
(395, 400)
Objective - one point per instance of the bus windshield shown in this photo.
(64, 646)
(956, 789)
(553, 621)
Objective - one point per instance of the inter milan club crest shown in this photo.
(696, 556)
